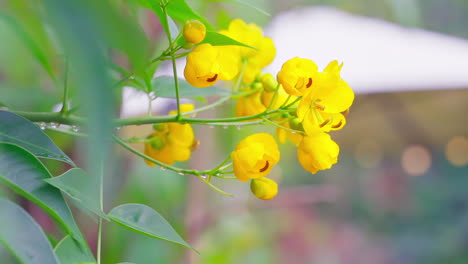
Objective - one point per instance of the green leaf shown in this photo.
(80, 26)
(164, 87)
(77, 184)
(144, 220)
(180, 11)
(69, 252)
(29, 42)
(23, 236)
(25, 174)
(217, 39)
(22, 132)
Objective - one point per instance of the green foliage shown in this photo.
(29, 41)
(217, 39)
(20, 131)
(79, 186)
(68, 251)
(143, 219)
(23, 236)
(24, 173)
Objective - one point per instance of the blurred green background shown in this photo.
(398, 195)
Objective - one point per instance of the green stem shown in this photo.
(282, 127)
(241, 76)
(221, 164)
(157, 162)
(174, 66)
(172, 168)
(101, 204)
(65, 89)
(214, 187)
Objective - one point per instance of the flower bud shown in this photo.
(269, 82)
(264, 188)
(296, 124)
(257, 86)
(194, 31)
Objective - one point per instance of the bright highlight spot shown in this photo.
(456, 151)
(416, 160)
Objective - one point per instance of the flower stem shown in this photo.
(64, 109)
(174, 66)
(101, 205)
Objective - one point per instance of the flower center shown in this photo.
(212, 79)
(267, 164)
(301, 83)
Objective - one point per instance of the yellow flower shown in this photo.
(317, 152)
(297, 76)
(320, 109)
(194, 31)
(254, 156)
(206, 64)
(171, 141)
(252, 35)
(264, 188)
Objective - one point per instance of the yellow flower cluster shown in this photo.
(307, 104)
(171, 142)
(325, 100)
(206, 64)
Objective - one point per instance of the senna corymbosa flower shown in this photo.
(298, 76)
(321, 108)
(252, 35)
(194, 31)
(254, 156)
(206, 64)
(171, 141)
(264, 188)
(317, 152)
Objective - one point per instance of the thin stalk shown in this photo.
(240, 77)
(101, 205)
(65, 89)
(214, 170)
(282, 127)
(174, 66)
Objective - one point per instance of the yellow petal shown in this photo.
(317, 152)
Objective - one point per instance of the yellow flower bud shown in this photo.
(317, 152)
(255, 156)
(194, 31)
(264, 188)
(269, 82)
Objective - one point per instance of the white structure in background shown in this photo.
(378, 56)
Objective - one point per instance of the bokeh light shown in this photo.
(456, 151)
(416, 160)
